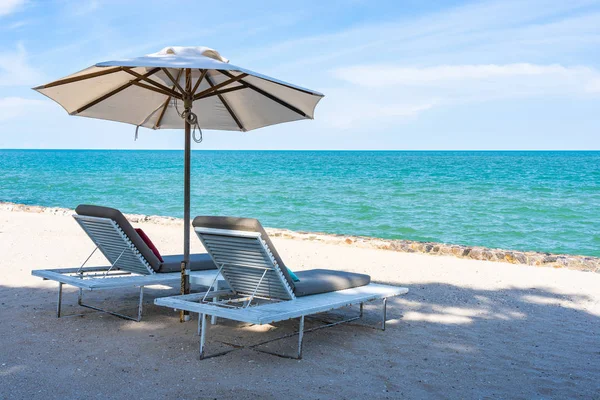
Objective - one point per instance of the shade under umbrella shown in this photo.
(178, 87)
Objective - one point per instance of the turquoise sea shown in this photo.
(544, 201)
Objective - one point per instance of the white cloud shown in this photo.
(10, 6)
(396, 71)
(347, 108)
(14, 107)
(15, 69)
(17, 25)
(494, 32)
(594, 86)
(83, 7)
(381, 76)
(397, 91)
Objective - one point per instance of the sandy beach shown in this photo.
(467, 329)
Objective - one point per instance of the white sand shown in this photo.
(467, 329)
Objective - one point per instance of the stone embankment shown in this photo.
(582, 263)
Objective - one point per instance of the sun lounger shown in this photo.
(261, 288)
(132, 262)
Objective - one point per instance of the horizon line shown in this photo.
(406, 150)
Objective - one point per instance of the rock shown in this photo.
(521, 258)
(536, 260)
(476, 254)
(515, 258)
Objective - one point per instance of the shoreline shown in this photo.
(532, 258)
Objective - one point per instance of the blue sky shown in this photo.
(396, 74)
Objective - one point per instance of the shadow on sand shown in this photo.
(442, 341)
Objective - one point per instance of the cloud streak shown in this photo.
(494, 32)
(388, 75)
(15, 107)
(397, 91)
(15, 69)
(10, 6)
(82, 8)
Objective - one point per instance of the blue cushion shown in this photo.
(292, 275)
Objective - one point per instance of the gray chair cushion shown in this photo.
(243, 224)
(198, 262)
(315, 281)
(119, 218)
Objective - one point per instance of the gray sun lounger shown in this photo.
(132, 262)
(262, 290)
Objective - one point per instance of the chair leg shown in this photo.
(361, 310)
(58, 306)
(384, 314)
(203, 328)
(141, 303)
(300, 337)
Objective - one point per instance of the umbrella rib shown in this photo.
(79, 78)
(164, 108)
(229, 109)
(307, 91)
(220, 85)
(269, 96)
(175, 81)
(197, 85)
(115, 91)
(162, 87)
(153, 89)
(218, 92)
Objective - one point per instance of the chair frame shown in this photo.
(241, 257)
(269, 313)
(128, 268)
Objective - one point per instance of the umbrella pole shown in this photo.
(185, 265)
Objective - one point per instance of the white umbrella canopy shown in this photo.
(144, 91)
(178, 87)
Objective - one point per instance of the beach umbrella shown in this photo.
(192, 88)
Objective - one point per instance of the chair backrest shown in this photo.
(115, 243)
(247, 225)
(246, 262)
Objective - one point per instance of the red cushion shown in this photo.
(149, 243)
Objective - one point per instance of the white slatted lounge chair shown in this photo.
(132, 262)
(261, 288)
